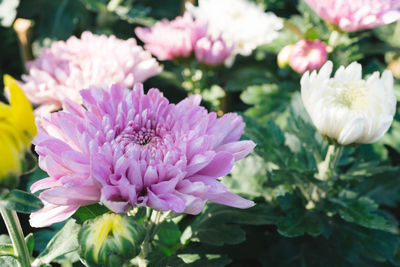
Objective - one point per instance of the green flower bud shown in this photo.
(110, 240)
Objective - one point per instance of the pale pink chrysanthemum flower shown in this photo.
(171, 39)
(67, 67)
(357, 14)
(308, 55)
(125, 148)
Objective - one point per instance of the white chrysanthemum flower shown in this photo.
(346, 107)
(240, 22)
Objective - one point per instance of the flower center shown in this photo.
(140, 136)
(350, 95)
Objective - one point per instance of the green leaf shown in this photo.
(392, 138)
(30, 243)
(297, 221)
(169, 233)
(363, 211)
(64, 242)
(241, 78)
(168, 237)
(353, 242)
(269, 100)
(218, 225)
(7, 250)
(21, 201)
(248, 177)
(89, 212)
(8, 261)
(209, 260)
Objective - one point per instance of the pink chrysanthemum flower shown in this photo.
(125, 148)
(66, 67)
(357, 14)
(171, 39)
(212, 52)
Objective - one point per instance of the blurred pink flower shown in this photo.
(357, 14)
(67, 67)
(171, 39)
(125, 149)
(212, 52)
(308, 55)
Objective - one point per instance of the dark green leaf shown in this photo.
(21, 201)
(363, 211)
(169, 233)
(297, 221)
(30, 243)
(209, 260)
(218, 225)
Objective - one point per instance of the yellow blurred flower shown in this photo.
(17, 129)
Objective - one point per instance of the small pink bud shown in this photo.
(308, 55)
(212, 52)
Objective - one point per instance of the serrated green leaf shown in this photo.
(8, 261)
(353, 242)
(248, 177)
(295, 220)
(363, 211)
(269, 100)
(241, 78)
(21, 201)
(64, 242)
(218, 225)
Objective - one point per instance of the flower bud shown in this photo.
(17, 125)
(212, 52)
(284, 56)
(110, 240)
(308, 55)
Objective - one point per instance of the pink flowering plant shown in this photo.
(200, 133)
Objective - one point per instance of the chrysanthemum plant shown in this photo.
(129, 174)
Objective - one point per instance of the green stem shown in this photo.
(327, 167)
(17, 237)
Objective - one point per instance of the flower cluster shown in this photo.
(171, 39)
(221, 29)
(346, 107)
(241, 23)
(67, 67)
(178, 38)
(357, 14)
(126, 148)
